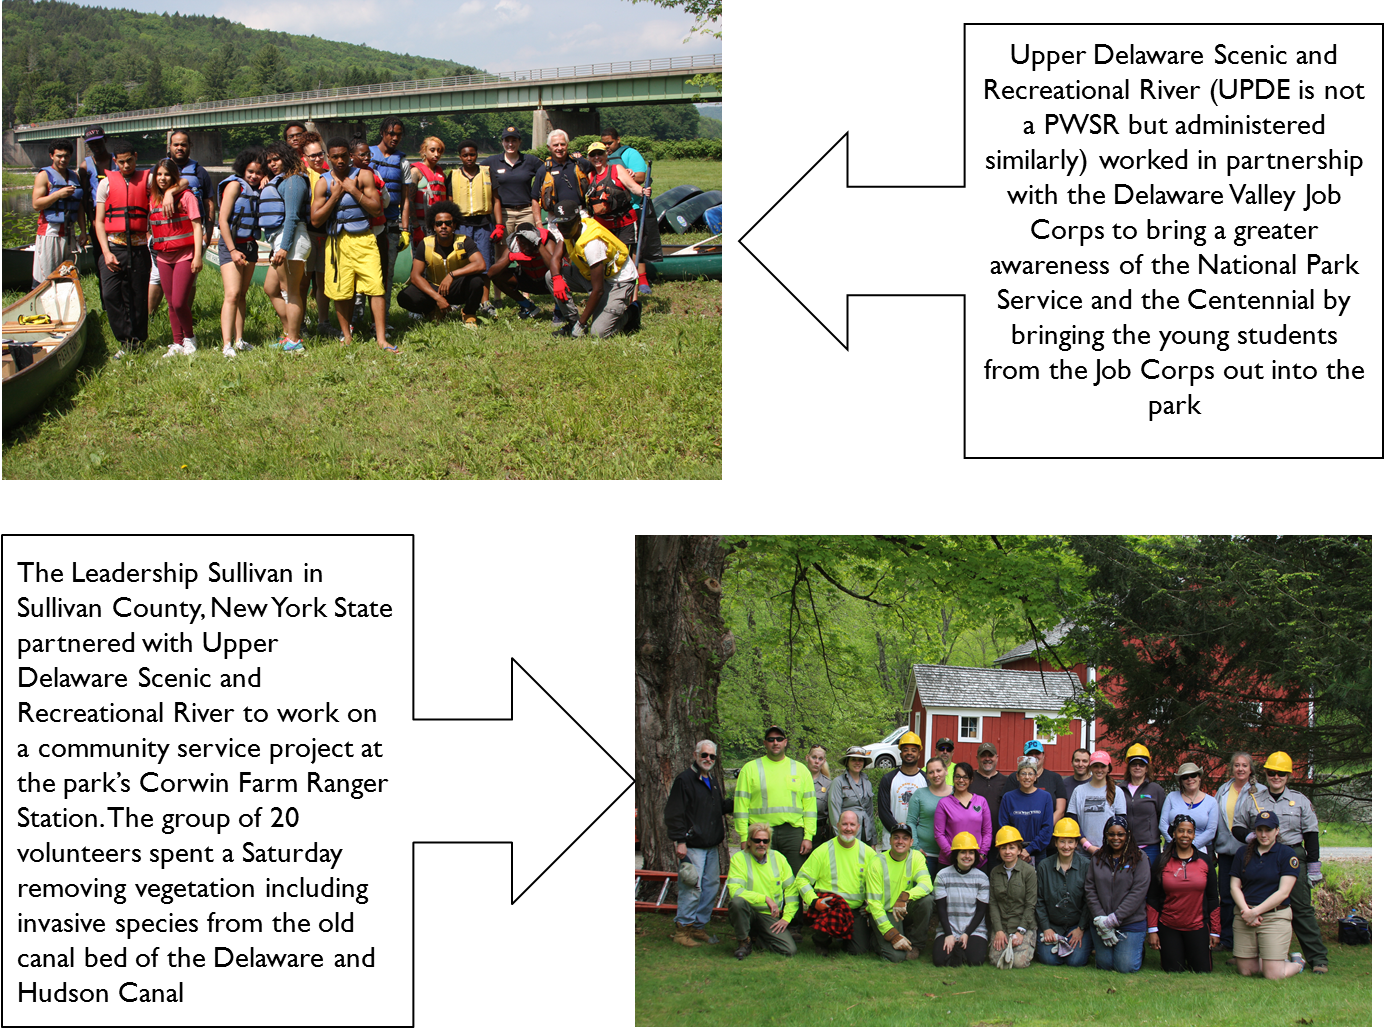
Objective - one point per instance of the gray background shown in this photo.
(818, 441)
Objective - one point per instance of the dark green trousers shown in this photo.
(1305, 920)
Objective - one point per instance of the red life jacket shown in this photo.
(128, 203)
(430, 191)
(620, 211)
(174, 232)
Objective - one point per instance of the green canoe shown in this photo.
(39, 356)
(18, 269)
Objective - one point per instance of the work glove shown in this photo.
(1105, 932)
(498, 231)
(561, 291)
(1314, 872)
(405, 238)
(902, 942)
(578, 330)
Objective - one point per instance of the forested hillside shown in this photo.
(63, 60)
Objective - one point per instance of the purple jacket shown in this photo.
(951, 818)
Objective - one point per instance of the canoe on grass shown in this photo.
(39, 356)
(699, 260)
(403, 263)
(18, 269)
(676, 194)
(685, 216)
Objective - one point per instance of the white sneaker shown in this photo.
(227, 350)
(242, 344)
(174, 348)
(189, 346)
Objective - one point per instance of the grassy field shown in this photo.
(506, 401)
(676, 985)
(1332, 833)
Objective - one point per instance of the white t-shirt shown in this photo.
(901, 791)
(596, 253)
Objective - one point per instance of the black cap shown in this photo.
(511, 131)
(770, 728)
(901, 828)
(563, 214)
(944, 742)
(1266, 819)
(93, 133)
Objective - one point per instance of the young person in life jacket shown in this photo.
(470, 186)
(192, 176)
(362, 160)
(394, 169)
(59, 201)
(176, 241)
(427, 180)
(237, 217)
(315, 166)
(531, 255)
(345, 201)
(283, 217)
(446, 270)
(122, 227)
(600, 266)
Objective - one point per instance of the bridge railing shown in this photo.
(706, 61)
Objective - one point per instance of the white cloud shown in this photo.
(512, 12)
(471, 8)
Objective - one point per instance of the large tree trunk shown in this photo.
(681, 645)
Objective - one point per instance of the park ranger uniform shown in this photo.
(1298, 830)
(888, 881)
(750, 885)
(781, 793)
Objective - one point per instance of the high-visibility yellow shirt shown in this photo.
(779, 792)
(754, 882)
(888, 879)
(842, 870)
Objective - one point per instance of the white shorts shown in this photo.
(298, 248)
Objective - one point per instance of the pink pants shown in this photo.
(176, 278)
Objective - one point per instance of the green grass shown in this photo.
(676, 985)
(18, 178)
(1332, 833)
(507, 401)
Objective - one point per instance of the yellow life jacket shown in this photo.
(617, 251)
(474, 196)
(438, 266)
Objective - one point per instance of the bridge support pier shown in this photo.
(34, 154)
(575, 121)
(204, 147)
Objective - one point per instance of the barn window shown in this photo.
(969, 729)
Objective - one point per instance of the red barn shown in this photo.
(971, 705)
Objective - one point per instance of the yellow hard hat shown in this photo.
(964, 841)
(910, 739)
(1137, 750)
(1007, 834)
(1279, 761)
(1067, 828)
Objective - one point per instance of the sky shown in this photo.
(503, 35)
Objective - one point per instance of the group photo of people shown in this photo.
(323, 221)
(994, 779)
(961, 864)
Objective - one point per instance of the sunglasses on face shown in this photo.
(759, 842)
(703, 756)
(775, 738)
(450, 224)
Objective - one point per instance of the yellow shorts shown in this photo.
(352, 264)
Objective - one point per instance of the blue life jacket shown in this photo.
(195, 182)
(243, 217)
(64, 210)
(348, 216)
(391, 170)
(271, 215)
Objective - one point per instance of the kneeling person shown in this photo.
(531, 255)
(899, 898)
(1013, 901)
(600, 266)
(762, 895)
(832, 884)
(447, 269)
